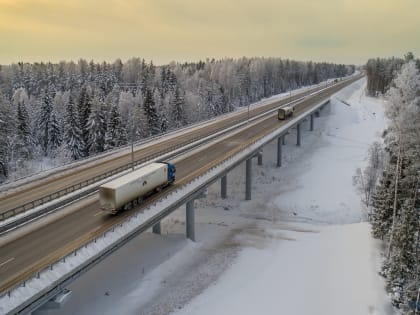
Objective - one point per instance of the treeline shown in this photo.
(381, 71)
(69, 110)
(396, 202)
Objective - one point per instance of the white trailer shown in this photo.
(285, 112)
(116, 194)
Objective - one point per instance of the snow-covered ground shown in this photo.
(301, 246)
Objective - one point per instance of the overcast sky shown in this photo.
(345, 31)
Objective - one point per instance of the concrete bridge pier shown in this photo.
(223, 186)
(190, 214)
(157, 228)
(317, 113)
(190, 224)
(248, 179)
(312, 122)
(279, 149)
(260, 158)
(283, 141)
(298, 135)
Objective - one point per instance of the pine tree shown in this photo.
(23, 130)
(178, 112)
(84, 110)
(161, 110)
(402, 263)
(73, 134)
(245, 85)
(7, 128)
(115, 135)
(44, 119)
(96, 127)
(54, 134)
(151, 113)
(218, 100)
(382, 202)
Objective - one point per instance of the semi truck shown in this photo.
(128, 190)
(285, 112)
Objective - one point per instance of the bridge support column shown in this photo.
(312, 122)
(317, 113)
(283, 139)
(223, 186)
(279, 149)
(248, 179)
(298, 135)
(157, 228)
(190, 220)
(259, 155)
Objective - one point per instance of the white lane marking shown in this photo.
(98, 213)
(7, 261)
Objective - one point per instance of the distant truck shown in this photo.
(285, 112)
(128, 190)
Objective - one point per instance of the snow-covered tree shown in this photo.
(177, 103)
(73, 134)
(7, 129)
(367, 180)
(403, 259)
(397, 201)
(115, 135)
(162, 111)
(24, 134)
(150, 112)
(55, 133)
(44, 118)
(96, 127)
(84, 106)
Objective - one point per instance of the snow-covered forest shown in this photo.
(67, 111)
(381, 72)
(395, 200)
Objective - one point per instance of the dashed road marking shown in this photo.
(7, 261)
(97, 213)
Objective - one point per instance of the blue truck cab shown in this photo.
(171, 172)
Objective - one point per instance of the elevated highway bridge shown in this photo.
(28, 253)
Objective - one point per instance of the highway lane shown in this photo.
(32, 252)
(45, 187)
